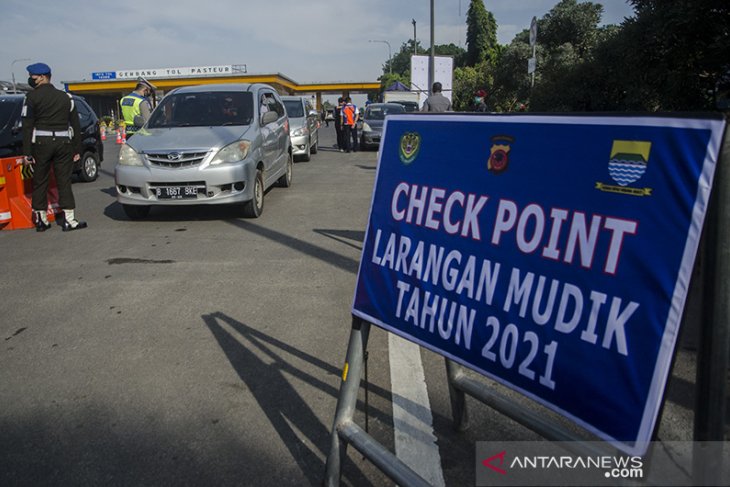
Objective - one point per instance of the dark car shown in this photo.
(373, 121)
(11, 134)
(410, 106)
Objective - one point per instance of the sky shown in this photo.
(307, 41)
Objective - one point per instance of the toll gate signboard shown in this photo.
(550, 253)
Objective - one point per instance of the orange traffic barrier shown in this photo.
(16, 188)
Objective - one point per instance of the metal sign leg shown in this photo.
(459, 412)
(347, 401)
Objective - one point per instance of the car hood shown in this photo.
(375, 124)
(186, 138)
(297, 123)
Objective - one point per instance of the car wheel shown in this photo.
(135, 212)
(254, 208)
(285, 179)
(89, 167)
(314, 148)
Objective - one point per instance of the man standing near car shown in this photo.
(436, 102)
(338, 124)
(349, 125)
(136, 106)
(51, 137)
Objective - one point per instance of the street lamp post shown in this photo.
(12, 70)
(390, 57)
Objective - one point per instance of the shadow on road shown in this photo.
(351, 238)
(333, 258)
(267, 379)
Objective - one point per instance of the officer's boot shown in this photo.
(40, 220)
(70, 222)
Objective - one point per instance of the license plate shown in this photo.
(177, 192)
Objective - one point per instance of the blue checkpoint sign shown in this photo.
(104, 75)
(552, 254)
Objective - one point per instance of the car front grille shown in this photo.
(176, 159)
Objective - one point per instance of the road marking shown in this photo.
(415, 442)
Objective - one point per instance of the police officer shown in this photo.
(51, 137)
(136, 106)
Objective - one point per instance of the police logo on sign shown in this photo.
(410, 144)
(499, 153)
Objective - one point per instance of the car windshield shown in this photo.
(380, 112)
(205, 109)
(294, 108)
(7, 107)
(410, 106)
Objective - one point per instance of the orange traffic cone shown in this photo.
(16, 188)
(124, 135)
(119, 136)
(103, 132)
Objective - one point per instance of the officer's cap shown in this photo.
(143, 81)
(38, 69)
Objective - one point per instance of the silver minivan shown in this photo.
(304, 126)
(207, 144)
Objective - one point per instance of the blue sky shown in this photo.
(308, 41)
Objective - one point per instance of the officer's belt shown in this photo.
(52, 133)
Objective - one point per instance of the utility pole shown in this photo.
(431, 60)
(415, 51)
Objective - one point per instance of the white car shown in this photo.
(209, 144)
(304, 126)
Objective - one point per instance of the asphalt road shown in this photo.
(196, 347)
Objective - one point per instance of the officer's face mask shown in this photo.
(32, 82)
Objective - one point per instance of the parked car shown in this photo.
(209, 144)
(303, 126)
(11, 134)
(373, 121)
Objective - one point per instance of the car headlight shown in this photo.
(129, 157)
(300, 131)
(366, 127)
(234, 152)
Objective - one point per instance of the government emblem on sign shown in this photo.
(627, 164)
(410, 144)
(499, 153)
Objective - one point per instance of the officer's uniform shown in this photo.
(135, 106)
(51, 135)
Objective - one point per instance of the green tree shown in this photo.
(458, 53)
(677, 52)
(401, 61)
(481, 34)
(511, 81)
(567, 37)
(467, 80)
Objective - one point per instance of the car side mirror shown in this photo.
(269, 117)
